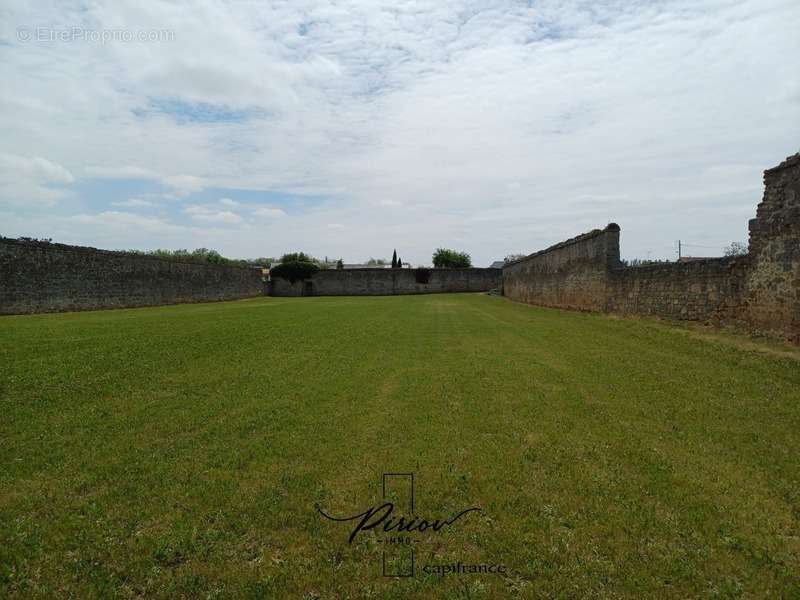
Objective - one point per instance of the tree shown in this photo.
(513, 257)
(200, 255)
(736, 249)
(377, 262)
(262, 261)
(445, 258)
(394, 259)
(339, 264)
(211, 256)
(399, 263)
(298, 257)
(295, 266)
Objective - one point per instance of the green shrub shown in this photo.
(199, 255)
(451, 259)
(298, 257)
(295, 270)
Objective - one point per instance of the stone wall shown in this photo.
(386, 282)
(43, 277)
(700, 290)
(572, 274)
(771, 301)
(759, 291)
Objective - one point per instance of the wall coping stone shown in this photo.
(575, 240)
(791, 161)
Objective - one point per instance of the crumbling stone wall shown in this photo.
(760, 291)
(42, 277)
(571, 274)
(388, 282)
(771, 302)
(700, 290)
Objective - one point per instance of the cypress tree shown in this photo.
(394, 259)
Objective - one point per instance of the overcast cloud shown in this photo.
(354, 127)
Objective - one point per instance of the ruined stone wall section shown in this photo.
(759, 291)
(772, 285)
(572, 274)
(43, 277)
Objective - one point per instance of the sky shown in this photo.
(350, 128)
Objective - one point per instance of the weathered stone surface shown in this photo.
(701, 290)
(760, 291)
(388, 282)
(572, 274)
(42, 277)
(771, 298)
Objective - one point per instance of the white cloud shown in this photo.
(182, 185)
(133, 203)
(203, 213)
(120, 172)
(228, 202)
(26, 180)
(119, 220)
(36, 168)
(389, 202)
(269, 212)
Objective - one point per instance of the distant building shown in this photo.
(498, 264)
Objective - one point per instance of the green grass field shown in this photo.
(181, 451)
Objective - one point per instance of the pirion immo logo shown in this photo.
(396, 522)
